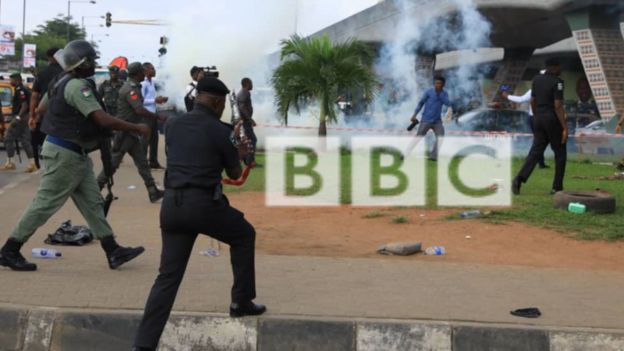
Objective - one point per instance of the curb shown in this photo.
(49, 329)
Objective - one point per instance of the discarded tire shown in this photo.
(597, 201)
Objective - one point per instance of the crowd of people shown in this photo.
(66, 117)
(75, 118)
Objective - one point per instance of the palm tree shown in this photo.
(316, 70)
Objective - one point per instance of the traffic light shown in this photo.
(108, 19)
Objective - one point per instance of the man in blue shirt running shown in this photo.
(431, 118)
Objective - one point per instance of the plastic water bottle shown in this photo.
(470, 214)
(435, 251)
(576, 207)
(45, 253)
(210, 252)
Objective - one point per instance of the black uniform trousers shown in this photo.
(540, 160)
(249, 132)
(151, 145)
(546, 130)
(184, 214)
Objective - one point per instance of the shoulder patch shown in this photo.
(134, 95)
(86, 92)
(560, 86)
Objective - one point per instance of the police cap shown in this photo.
(135, 68)
(212, 85)
(553, 61)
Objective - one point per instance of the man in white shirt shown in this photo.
(197, 73)
(150, 99)
(522, 99)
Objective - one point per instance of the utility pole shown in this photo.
(296, 15)
(68, 17)
(24, 21)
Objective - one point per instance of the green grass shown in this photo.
(400, 220)
(374, 214)
(534, 206)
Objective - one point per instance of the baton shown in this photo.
(240, 181)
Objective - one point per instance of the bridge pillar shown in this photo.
(511, 70)
(598, 35)
(425, 67)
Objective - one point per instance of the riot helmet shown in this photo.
(78, 56)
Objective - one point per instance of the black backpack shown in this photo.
(68, 234)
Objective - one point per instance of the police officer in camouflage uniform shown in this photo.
(18, 129)
(109, 90)
(74, 120)
(130, 109)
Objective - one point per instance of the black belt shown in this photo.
(66, 144)
(215, 192)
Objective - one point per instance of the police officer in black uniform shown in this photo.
(40, 88)
(549, 125)
(194, 203)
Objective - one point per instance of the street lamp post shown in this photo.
(24, 21)
(69, 12)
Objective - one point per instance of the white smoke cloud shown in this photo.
(239, 36)
(421, 30)
(234, 36)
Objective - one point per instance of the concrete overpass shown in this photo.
(519, 27)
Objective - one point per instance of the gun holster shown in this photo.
(218, 192)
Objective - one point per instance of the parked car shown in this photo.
(596, 139)
(596, 127)
(492, 120)
(497, 122)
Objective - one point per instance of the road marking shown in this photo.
(20, 179)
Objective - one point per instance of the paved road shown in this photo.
(12, 177)
(311, 286)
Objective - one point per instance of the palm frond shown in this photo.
(315, 69)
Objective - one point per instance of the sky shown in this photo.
(189, 21)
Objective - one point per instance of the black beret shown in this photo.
(135, 68)
(212, 85)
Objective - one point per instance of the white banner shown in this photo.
(7, 40)
(30, 55)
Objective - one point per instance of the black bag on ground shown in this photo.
(67, 234)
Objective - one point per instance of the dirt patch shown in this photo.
(345, 232)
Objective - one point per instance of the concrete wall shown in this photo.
(38, 329)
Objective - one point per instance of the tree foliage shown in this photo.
(53, 33)
(316, 70)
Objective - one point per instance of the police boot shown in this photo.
(155, 194)
(9, 166)
(11, 257)
(246, 308)
(118, 255)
